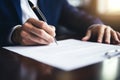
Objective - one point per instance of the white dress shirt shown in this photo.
(27, 12)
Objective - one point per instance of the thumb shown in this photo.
(87, 36)
(54, 29)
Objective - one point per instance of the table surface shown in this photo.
(17, 67)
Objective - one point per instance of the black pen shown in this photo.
(39, 14)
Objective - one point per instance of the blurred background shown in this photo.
(107, 10)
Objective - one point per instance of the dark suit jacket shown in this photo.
(55, 11)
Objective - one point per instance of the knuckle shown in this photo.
(41, 32)
(108, 27)
(29, 20)
(42, 24)
(25, 24)
(23, 34)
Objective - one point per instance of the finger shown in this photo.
(26, 39)
(100, 34)
(54, 29)
(107, 35)
(45, 36)
(29, 39)
(38, 32)
(38, 40)
(118, 35)
(27, 42)
(87, 36)
(42, 25)
(115, 37)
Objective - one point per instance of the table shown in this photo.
(17, 67)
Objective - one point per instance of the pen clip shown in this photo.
(112, 53)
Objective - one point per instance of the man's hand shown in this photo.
(34, 32)
(103, 34)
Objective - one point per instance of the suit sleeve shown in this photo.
(8, 19)
(5, 31)
(76, 19)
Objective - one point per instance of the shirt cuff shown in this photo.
(10, 35)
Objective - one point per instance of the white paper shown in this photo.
(67, 55)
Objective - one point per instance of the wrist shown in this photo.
(15, 37)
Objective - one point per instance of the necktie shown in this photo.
(37, 11)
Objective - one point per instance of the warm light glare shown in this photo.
(109, 6)
(114, 5)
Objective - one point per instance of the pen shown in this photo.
(112, 53)
(39, 14)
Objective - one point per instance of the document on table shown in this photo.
(68, 55)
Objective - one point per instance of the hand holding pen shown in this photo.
(34, 32)
(39, 14)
